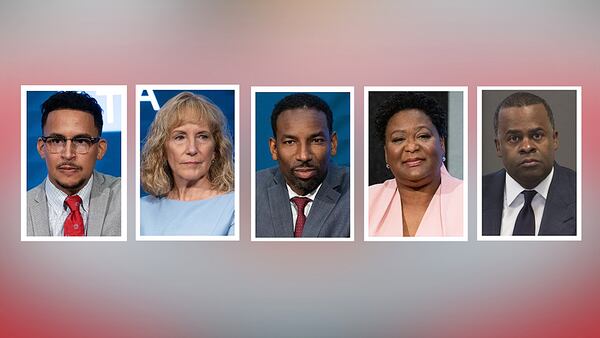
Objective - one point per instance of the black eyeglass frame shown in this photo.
(91, 140)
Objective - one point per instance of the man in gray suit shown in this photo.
(306, 195)
(533, 195)
(74, 200)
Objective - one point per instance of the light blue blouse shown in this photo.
(167, 217)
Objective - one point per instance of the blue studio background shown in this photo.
(224, 99)
(36, 166)
(339, 102)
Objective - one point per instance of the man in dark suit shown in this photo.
(74, 200)
(306, 195)
(533, 195)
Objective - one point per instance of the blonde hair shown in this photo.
(156, 175)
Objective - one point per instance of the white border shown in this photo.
(300, 89)
(121, 89)
(480, 237)
(184, 87)
(465, 92)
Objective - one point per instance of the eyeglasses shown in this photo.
(56, 144)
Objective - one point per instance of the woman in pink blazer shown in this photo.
(422, 199)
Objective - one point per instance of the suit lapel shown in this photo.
(323, 204)
(493, 202)
(98, 206)
(281, 211)
(558, 211)
(39, 212)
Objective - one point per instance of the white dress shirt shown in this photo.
(58, 210)
(514, 201)
(311, 196)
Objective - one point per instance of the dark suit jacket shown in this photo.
(104, 218)
(329, 214)
(560, 211)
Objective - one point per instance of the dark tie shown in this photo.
(525, 224)
(74, 223)
(300, 203)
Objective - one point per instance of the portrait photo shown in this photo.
(73, 172)
(187, 175)
(415, 164)
(302, 169)
(529, 172)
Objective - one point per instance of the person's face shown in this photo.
(303, 148)
(526, 142)
(413, 148)
(68, 170)
(190, 150)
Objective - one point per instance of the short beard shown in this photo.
(71, 189)
(306, 186)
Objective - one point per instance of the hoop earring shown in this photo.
(387, 165)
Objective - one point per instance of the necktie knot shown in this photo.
(300, 202)
(529, 195)
(73, 202)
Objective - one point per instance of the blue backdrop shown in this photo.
(224, 99)
(36, 166)
(340, 106)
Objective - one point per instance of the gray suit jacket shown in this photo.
(104, 218)
(560, 211)
(329, 214)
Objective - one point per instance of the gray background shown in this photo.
(564, 107)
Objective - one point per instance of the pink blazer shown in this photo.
(443, 217)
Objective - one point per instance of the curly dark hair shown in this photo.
(301, 100)
(81, 101)
(410, 100)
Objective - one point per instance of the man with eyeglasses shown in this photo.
(74, 200)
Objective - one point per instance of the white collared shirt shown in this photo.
(292, 194)
(514, 201)
(58, 210)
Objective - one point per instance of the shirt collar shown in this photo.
(513, 188)
(56, 197)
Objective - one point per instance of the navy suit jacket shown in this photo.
(329, 214)
(560, 211)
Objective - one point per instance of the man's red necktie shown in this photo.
(74, 222)
(300, 203)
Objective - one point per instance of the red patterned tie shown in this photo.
(300, 203)
(74, 222)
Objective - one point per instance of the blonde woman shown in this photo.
(187, 170)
